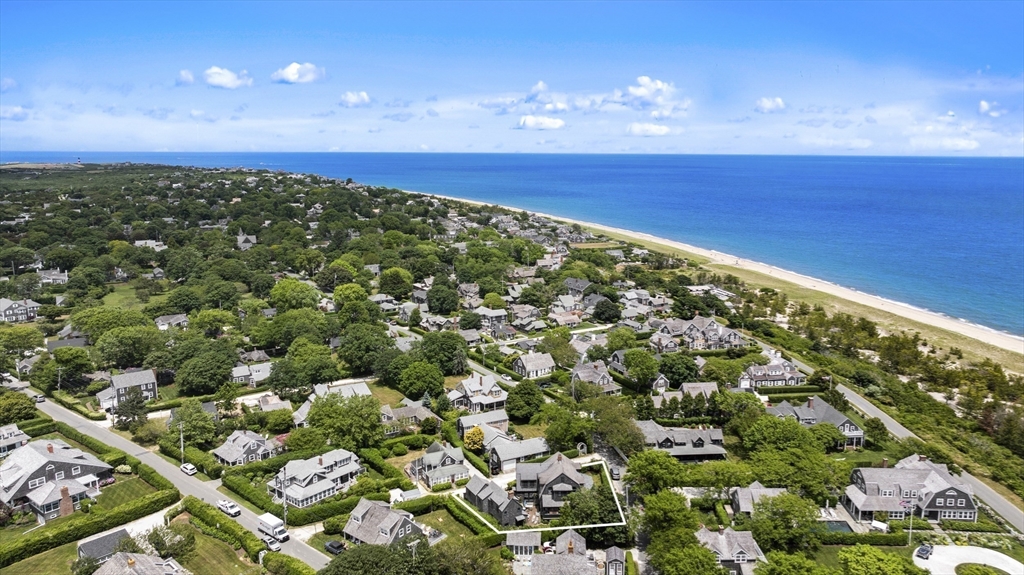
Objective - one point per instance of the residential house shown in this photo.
(251, 375)
(103, 546)
(165, 322)
(736, 551)
(614, 561)
(471, 336)
(53, 277)
(398, 419)
(702, 333)
(383, 299)
(244, 446)
(344, 388)
(153, 244)
(50, 477)
(547, 484)
(271, 402)
(469, 290)
(576, 286)
(431, 322)
(743, 499)
(18, 310)
(565, 319)
(523, 544)
(684, 444)
(139, 564)
(478, 393)
(703, 390)
(254, 356)
(927, 489)
(491, 499)
(11, 438)
(245, 241)
(817, 411)
(778, 372)
(663, 343)
(144, 380)
(497, 419)
(440, 464)
(491, 319)
(505, 453)
(304, 482)
(375, 523)
(596, 373)
(532, 365)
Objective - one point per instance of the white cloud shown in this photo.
(296, 73)
(157, 113)
(769, 105)
(812, 109)
(432, 113)
(354, 100)
(7, 84)
(539, 87)
(653, 95)
(990, 109)
(841, 124)
(185, 78)
(870, 120)
(540, 123)
(639, 129)
(196, 114)
(13, 113)
(224, 78)
(950, 143)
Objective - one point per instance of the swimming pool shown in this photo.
(838, 526)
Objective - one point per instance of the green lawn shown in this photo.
(168, 392)
(214, 557)
(126, 489)
(531, 431)
(401, 461)
(56, 561)
(828, 555)
(123, 296)
(385, 395)
(200, 476)
(317, 541)
(445, 523)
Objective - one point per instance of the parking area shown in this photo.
(945, 558)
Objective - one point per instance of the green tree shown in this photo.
(524, 400)
(349, 292)
(196, 424)
(777, 433)
(309, 261)
(226, 396)
(679, 368)
(556, 343)
(642, 367)
(465, 557)
(212, 321)
(470, 320)
(97, 321)
(291, 293)
(396, 282)
(827, 436)
(360, 345)
(666, 510)
(65, 368)
(177, 540)
(185, 300)
(380, 560)
(15, 407)
(447, 350)
(305, 439)
(688, 560)
(863, 559)
(421, 378)
(473, 439)
(567, 429)
(607, 311)
(349, 422)
(279, 421)
(621, 338)
(15, 340)
(415, 317)
(203, 374)
(614, 421)
(786, 522)
(594, 506)
(780, 563)
(128, 346)
(875, 431)
(442, 299)
(289, 326)
(653, 470)
(494, 301)
(85, 565)
(130, 412)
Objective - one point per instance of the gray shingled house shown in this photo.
(682, 443)
(547, 484)
(375, 523)
(736, 551)
(817, 411)
(928, 489)
(491, 499)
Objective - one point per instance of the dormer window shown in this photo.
(887, 493)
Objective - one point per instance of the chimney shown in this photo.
(320, 461)
(49, 447)
(721, 530)
(810, 403)
(885, 462)
(559, 456)
(131, 561)
(922, 458)
(66, 506)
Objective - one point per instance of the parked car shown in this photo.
(334, 547)
(188, 469)
(615, 473)
(272, 544)
(38, 398)
(506, 377)
(229, 507)
(924, 551)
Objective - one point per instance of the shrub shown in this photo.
(477, 462)
(422, 505)
(335, 525)
(466, 518)
(979, 527)
(895, 539)
(372, 459)
(212, 516)
(280, 564)
(919, 524)
(399, 450)
(462, 482)
(417, 441)
(123, 469)
(438, 487)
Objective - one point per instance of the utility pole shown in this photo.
(181, 434)
(59, 371)
(282, 486)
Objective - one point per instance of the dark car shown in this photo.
(924, 551)
(334, 547)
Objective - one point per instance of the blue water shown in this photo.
(946, 234)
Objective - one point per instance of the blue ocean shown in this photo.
(945, 234)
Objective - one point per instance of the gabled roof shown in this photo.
(139, 564)
(102, 546)
(571, 542)
(369, 517)
(536, 361)
(24, 461)
(487, 417)
(133, 379)
(728, 544)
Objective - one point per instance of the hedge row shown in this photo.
(723, 517)
(280, 564)
(919, 524)
(214, 532)
(203, 460)
(63, 399)
(895, 539)
(335, 525)
(212, 516)
(790, 397)
(86, 440)
(421, 505)
(684, 421)
(978, 527)
(438, 487)
(272, 465)
(39, 428)
(570, 453)
(82, 525)
(416, 441)
(465, 517)
(372, 459)
(480, 465)
(492, 540)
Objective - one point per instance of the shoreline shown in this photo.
(984, 334)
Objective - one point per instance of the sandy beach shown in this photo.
(981, 333)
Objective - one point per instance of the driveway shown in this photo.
(945, 558)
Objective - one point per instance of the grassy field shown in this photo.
(531, 431)
(56, 561)
(214, 557)
(125, 490)
(123, 296)
(445, 523)
(385, 395)
(401, 461)
(452, 380)
(596, 245)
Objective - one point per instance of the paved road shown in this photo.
(1001, 505)
(206, 491)
(945, 558)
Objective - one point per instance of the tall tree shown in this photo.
(360, 345)
(197, 425)
(349, 422)
(679, 368)
(524, 400)
(642, 367)
(786, 522)
(130, 412)
(447, 350)
(291, 293)
(203, 374)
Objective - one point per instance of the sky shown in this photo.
(836, 78)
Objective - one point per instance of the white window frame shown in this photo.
(940, 502)
(59, 475)
(961, 502)
(33, 483)
(76, 470)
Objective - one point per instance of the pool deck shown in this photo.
(840, 513)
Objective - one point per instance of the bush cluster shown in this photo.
(203, 460)
(212, 516)
(979, 527)
(281, 564)
(438, 487)
(480, 465)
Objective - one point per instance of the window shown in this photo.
(75, 470)
(33, 483)
(887, 493)
(960, 502)
(940, 502)
(59, 475)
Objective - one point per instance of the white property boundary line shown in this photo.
(611, 487)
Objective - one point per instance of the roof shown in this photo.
(133, 379)
(815, 410)
(24, 461)
(138, 564)
(614, 554)
(234, 446)
(571, 542)
(72, 342)
(727, 544)
(470, 421)
(682, 439)
(102, 546)
(523, 539)
(369, 517)
(536, 361)
(560, 565)
(746, 497)
(51, 491)
(914, 473)
(509, 450)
